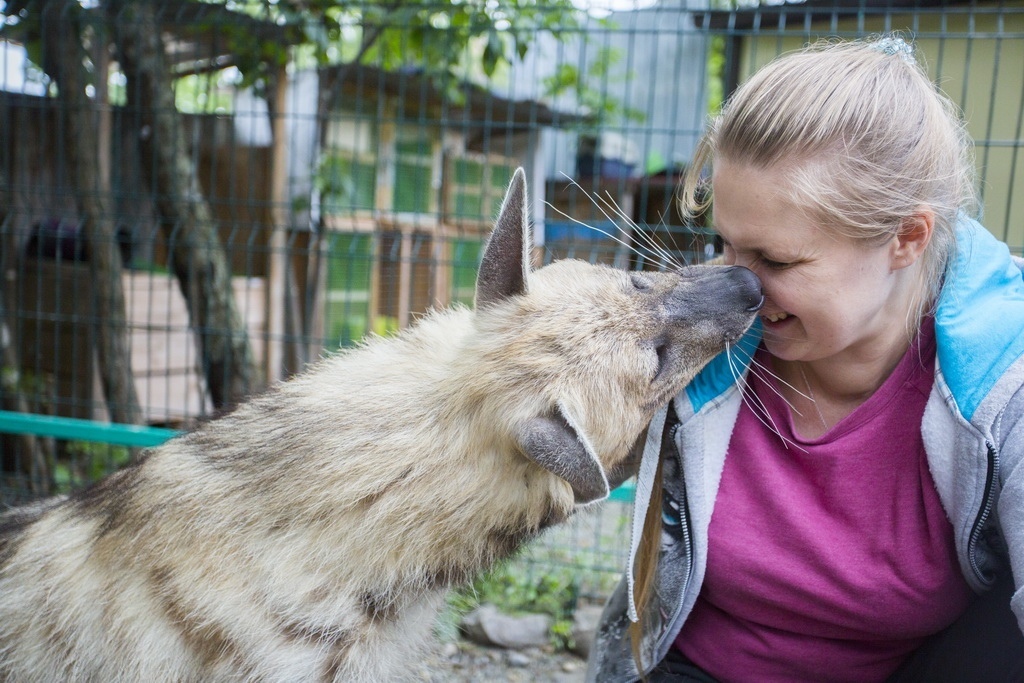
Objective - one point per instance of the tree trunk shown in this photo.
(31, 456)
(63, 61)
(197, 256)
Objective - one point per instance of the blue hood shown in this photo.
(721, 373)
(979, 322)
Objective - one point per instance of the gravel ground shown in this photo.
(595, 538)
(466, 662)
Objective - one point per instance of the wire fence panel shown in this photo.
(197, 200)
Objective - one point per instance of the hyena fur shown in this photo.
(311, 534)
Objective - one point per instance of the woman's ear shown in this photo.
(913, 237)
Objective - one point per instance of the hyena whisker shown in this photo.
(756, 406)
(765, 371)
(775, 391)
(666, 258)
(669, 258)
(607, 205)
(602, 231)
(662, 223)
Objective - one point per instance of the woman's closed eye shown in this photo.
(774, 265)
(732, 256)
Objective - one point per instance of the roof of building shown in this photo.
(790, 14)
(423, 97)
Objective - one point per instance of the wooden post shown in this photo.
(387, 137)
(405, 277)
(278, 259)
(441, 252)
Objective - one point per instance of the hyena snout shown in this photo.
(741, 287)
(725, 298)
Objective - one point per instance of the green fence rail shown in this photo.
(74, 429)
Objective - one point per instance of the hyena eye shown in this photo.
(640, 282)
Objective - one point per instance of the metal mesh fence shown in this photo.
(240, 189)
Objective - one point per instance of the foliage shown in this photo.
(202, 94)
(715, 74)
(448, 41)
(16, 380)
(515, 590)
(87, 462)
(451, 43)
(393, 33)
(594, 101)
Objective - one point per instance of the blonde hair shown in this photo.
(866, 137)
(867, 140)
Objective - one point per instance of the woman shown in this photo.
(850, 508)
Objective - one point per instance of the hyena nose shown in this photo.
(747, 286)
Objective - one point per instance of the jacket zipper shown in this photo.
(983, 515)
(684, 514)
(684, 524)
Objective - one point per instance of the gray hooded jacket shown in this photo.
(973, 435)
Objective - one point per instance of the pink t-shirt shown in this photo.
(833, 560)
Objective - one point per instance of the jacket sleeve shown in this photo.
(1009, 433)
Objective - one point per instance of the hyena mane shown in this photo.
(312, 533)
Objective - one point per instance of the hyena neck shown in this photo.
(433, 495)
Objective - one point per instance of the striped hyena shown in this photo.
(311, 534)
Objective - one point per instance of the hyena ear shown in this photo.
(506, 260)
(554, 444)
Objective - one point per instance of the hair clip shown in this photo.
(894, 45)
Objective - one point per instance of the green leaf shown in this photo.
(493, 53)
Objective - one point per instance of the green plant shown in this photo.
(600, 108)
(515, 590)
(17, 380)
(715, 74)
(85, 462)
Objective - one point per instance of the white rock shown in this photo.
(488, 626)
